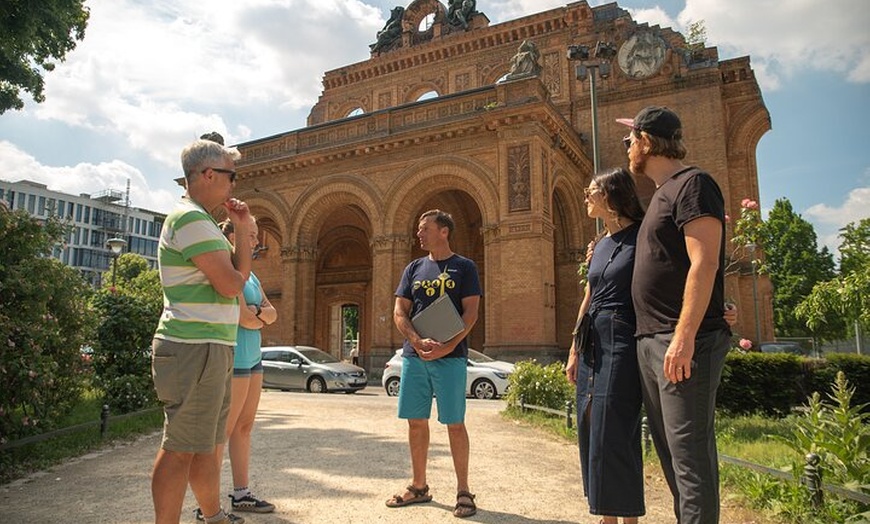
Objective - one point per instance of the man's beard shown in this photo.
(638, 167)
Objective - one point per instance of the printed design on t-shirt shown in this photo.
(439, 285)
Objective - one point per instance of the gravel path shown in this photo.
(336, 459)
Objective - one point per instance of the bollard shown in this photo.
(645, 436)
(812, 479)
(104, 420)
(569, 406)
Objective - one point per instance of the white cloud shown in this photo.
(787, 37)
(162, 74)
(829, 220)
(86, 178)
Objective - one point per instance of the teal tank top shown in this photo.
(248, 341)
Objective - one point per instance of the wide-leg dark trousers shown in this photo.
(681, 421)
(608, 386)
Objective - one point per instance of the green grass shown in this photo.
(18, 462)
(748, 438)
(754, 438)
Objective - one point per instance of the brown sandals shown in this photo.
(464, 509)
(465, 506)
(420, 495)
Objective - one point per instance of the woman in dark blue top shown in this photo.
(605, 371)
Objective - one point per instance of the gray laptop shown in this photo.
(439, 321)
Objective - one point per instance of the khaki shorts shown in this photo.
(193, 381)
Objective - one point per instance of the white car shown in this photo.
(487, 378)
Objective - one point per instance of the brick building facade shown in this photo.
(338, 200)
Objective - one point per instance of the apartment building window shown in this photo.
(87, 219)
(61, 208)
(31, 204)
(41, 206)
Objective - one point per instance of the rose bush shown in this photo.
(44, 322)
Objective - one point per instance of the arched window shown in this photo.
(428, 95)
(355, 112)
(426, 23)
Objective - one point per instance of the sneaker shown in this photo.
(231, 519)
(251, 503)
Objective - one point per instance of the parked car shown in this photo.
(311, 369)
(487, 377)
(782, 347)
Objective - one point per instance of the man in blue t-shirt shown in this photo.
(432, 367)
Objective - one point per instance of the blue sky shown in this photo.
(151, 76)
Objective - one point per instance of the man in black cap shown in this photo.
(678, 292)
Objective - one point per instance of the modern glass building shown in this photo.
(94, 219)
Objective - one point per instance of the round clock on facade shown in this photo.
(642, 55)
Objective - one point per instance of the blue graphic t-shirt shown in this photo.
(425, 279)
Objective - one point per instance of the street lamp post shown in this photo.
(116, 245)
(752, 247)
(601, 56)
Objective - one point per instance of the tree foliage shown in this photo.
(44, 321)
(34, 34)
(795, 265)
(855, 247)
(847, 297)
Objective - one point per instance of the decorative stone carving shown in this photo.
(642, 55)
(519, 178)
(553, 74)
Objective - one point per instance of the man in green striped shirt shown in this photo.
(202, 274)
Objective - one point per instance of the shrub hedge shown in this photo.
(774, 383)
(765, 383)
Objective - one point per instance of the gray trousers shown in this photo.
(681, 422)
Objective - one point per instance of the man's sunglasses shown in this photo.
(229, 172)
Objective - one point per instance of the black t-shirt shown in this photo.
(661, 260)
(425, 279)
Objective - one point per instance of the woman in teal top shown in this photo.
(255, 312)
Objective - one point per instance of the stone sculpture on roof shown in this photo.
(391, 32)
(526, 62)
(459, 12)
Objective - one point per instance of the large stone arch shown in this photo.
(747, 127)
(571, 233)
(567, 198)
(330, 192)
(452, 173)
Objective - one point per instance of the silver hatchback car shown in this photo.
(309, 368)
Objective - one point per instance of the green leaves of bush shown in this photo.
(44, 321)
(128, 315)
(538, 385)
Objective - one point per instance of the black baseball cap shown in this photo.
(657, 121)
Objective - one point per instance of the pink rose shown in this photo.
(727, 218)
(746, 344)
(747, 203)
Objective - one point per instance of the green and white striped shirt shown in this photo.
(193, 311)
